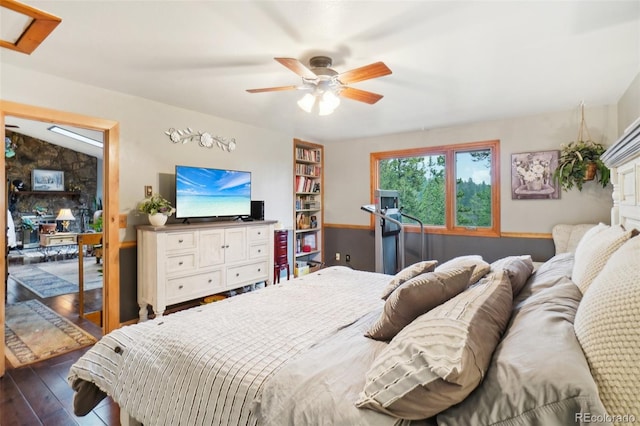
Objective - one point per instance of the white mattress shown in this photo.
(206, 365)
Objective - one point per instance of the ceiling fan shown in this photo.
(322, 82)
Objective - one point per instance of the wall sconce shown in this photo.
(65, 216)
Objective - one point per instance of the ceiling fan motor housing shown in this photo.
(320, 66)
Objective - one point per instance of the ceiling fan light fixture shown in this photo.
(328, 103)
(306, 102)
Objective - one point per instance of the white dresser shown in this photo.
(177, 263)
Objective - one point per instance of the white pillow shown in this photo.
(594, 249)
(607, 325)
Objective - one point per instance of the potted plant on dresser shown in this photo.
(157, 208)
(580, 162)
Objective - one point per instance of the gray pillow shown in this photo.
(519, 269)
(438, 359)
(406, 274)
(538, 374)
(481, 267)
(417, 296)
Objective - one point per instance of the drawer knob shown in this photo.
(210, 280)
(227, 246)
(259, 251)
(259, 269)
(237, 274)
(180, 263)
(180, 241)
(180, 287)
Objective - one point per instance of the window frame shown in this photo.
(449, 151)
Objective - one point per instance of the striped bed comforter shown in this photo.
(206, 365)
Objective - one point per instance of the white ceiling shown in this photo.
(453, 62)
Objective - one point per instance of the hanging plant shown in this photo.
(580, 161)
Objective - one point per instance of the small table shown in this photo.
(84, 239)
(56, 242)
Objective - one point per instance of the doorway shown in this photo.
(50, 221)
(110, 254)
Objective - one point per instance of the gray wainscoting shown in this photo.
(359, 245)
(128, 284)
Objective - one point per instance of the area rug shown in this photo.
(33, 333)
(50, 279)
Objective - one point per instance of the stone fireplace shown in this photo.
(80, 192)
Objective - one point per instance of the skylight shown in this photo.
(76, 136)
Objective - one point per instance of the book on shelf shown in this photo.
(308, 169)
(306, 154)
(305, 184)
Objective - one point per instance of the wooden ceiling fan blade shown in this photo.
(360, 95)
(297, 67)
(367, 72)
(272, 89)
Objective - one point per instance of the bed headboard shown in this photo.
(623, 158)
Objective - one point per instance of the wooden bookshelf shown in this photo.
(308, 187)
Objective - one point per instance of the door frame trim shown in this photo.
(111, 194)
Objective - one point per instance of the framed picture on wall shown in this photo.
(47, 180)
(532, 175)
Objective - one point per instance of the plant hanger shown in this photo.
(583, 125)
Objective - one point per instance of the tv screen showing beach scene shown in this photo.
(206, 192)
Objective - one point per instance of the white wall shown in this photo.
(146, 152)
(347, 167)
(629, 105)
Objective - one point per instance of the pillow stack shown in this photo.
(416, 290)
(440, 357)
(416, 296)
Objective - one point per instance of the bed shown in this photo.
(462, 342)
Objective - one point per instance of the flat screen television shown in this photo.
(206, 192)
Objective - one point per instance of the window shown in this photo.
(453, 189)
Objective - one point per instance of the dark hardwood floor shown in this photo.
(39, 394)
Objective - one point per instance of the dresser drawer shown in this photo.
(240, 275)
(181, 241)
(194, 286)
(179, 264)
(256, 251)
(257, 233)
(281, 237)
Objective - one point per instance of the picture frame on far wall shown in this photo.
(47, 180)
(532, 175)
